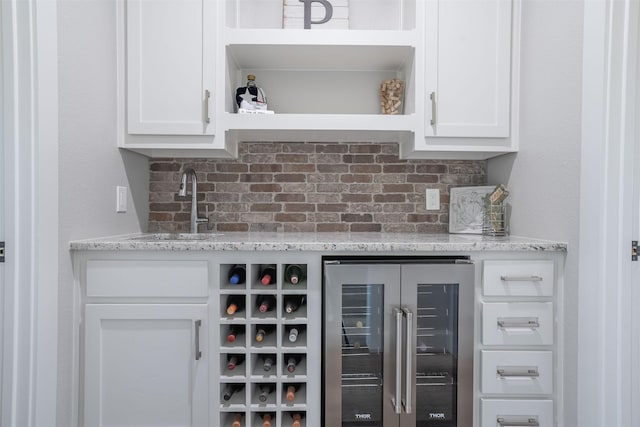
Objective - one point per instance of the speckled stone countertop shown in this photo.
(370, 242)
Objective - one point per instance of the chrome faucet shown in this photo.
(195, 220)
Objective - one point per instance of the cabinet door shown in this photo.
(362, 358)
(437, 380)
(468, 65)
(170, 50)
(146, 365)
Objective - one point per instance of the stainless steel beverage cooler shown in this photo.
(398, 342)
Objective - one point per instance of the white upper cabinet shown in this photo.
(471, 85)
(468, 68)
(322, 83)
(168, 76)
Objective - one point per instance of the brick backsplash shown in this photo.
(297, 187)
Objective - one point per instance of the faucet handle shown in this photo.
(206, 215)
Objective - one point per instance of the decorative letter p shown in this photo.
(307, 12)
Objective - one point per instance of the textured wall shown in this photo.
(321, 187)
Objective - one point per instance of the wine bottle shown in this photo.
(235, 303)
(292, 362)
(237, 421)
(267, 362)
(234, 360)
(291, 392)
(265, 391)
(296, 420)
(268, 274)
(292, 303)
(262, 331)
(266, 420)
(230, 389)
(265, 303)
(237, 274)
(294, 332)
(294, 273)
(234, 331)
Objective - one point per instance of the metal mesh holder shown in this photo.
(494, 220)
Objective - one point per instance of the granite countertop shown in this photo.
(370, 242)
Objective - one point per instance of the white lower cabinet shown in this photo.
(513, 412)
(146, 365)
(518, 344)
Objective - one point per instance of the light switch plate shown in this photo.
(433, 199)
(121, 199)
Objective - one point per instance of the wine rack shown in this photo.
(268, 332)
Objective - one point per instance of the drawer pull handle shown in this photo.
(518, 322)
(198, 324)
(207, 95)
(529, 422)
(531, 278)
(518, 372)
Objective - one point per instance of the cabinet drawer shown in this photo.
(518, 278)
(517, 323)
(517, 372)
(137, 278)
(511, 412)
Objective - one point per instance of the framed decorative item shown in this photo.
(466, 208)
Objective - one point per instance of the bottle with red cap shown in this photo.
(268, 274)
(234, 332)
(265, 303)
(234, 360)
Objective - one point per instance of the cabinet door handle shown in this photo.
(434, 109)
(529, 422)
(396, 399)
(207, 95)
(532, 278)
(198, 324)
(518, 372)
(518, 322)
(408, 362)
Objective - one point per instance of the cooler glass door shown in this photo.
(439, 390)
(360, 345)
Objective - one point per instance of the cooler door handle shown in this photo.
(397, 399)
(408, 362)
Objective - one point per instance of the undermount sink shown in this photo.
(176, 236)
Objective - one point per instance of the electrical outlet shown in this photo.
(121, 199)
(433, 199)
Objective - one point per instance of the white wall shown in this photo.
(90, 164)
(544, 177)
